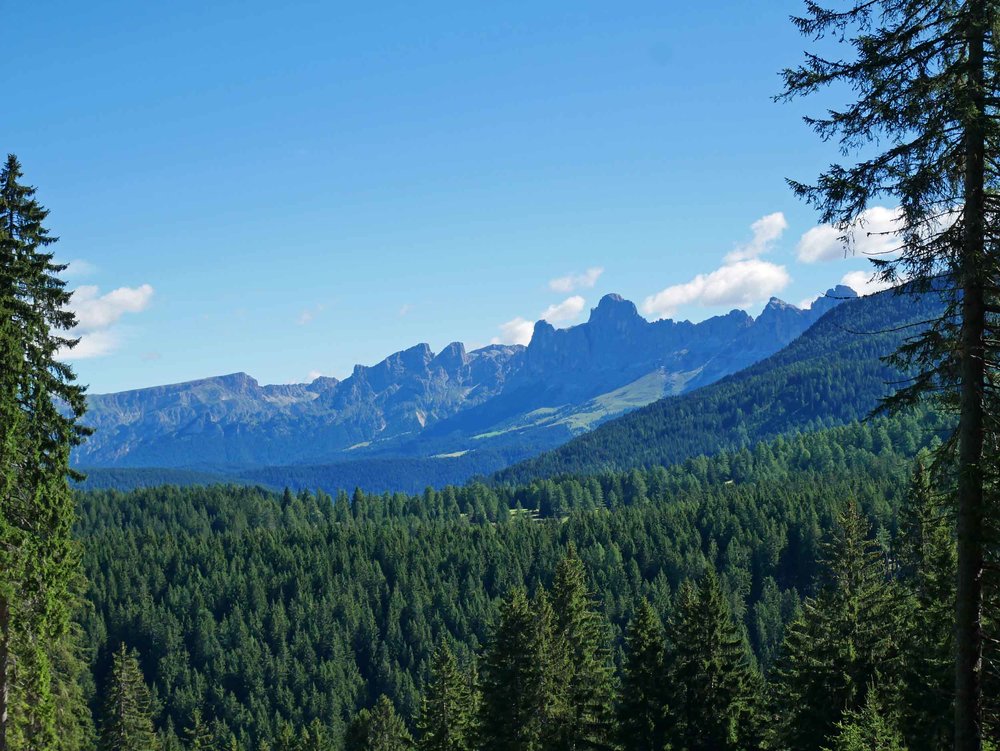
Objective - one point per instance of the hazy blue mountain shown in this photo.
(488, 407)
(833, 374)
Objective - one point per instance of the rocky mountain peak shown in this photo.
(615, 361)
(614, 308)
(452, 357)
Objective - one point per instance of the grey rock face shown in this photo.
(420, 403)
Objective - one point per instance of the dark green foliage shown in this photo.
(872, 727)
(262, 609)
(198, 735)
(587, 678)
(40, 406)
(926, 558)
(518, 712)
(127, 723)
(922, 127)
(448, 713)
(712, 691)
(315, 737)
(847, 638)
(379, 729)
(642, 705)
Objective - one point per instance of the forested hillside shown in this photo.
(265, 613)
(403, 474)
(831, 375)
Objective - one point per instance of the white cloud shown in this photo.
(873, 234)
(766, 232)
(741, 283)
(863, 282)
(97, 314)
(567, 310)
(96, 311)
(92, 344)
(519, 330)
(515, 331)
(404, 309)
(573, 282)
(313, 375)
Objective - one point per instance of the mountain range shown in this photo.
(835, 373)
(458, 412)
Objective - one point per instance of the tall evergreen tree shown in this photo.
(926, 553)
(589, 681)
(712, 695)
(447, 714)
(522, 705)
(41, 407)
(198, 735)
(127, 723)
(847, 635)
(872, 727)
(382, 729)
(641, 706)
(926, 80)
(314, 737)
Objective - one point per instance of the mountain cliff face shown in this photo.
(416, 403)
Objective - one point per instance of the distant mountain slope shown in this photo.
(401, 474)
(509, 401)
(831, 375)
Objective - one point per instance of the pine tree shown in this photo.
(385, 729)
(40, 408)
(589, 681)
(641, 707)
(515, 712)
(288, 740)
(198, 735)
(926, 553)
(845, 637)
(712, 695)
(551, 710)
(447, 713)
(128, 724)
(314, 737)
(869, 728)
(926, 79)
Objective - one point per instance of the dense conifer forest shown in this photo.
(275, 616)
(758, 565)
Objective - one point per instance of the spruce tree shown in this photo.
(926, 553)
(589, 680)
(712, 694)
(385, 730)
(925, 119)
(869, 728)
(314, 737)
(846, 637)
(128, 724)
(551, 710)
(522, 704)
(198, 735)
(641, 706)
(447, 713)
(40, 408)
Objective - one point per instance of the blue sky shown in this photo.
(291, 188)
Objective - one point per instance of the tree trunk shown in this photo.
(971, 428)
(4, 669)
